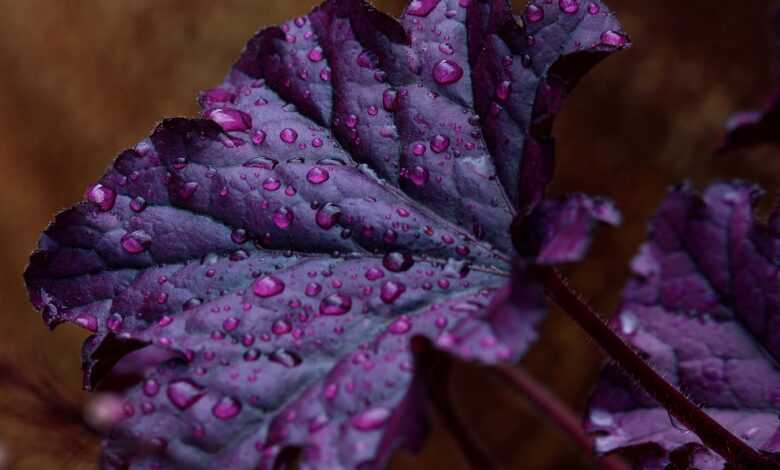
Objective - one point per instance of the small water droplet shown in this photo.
(283, 217)
(229, 119)
(612, 38)
(534, 14)
(317, 175)
(101, 195)
(136, 242)
(285, 358)
(288, 135)
(328, 216)
(391, 291)
(440, 143)
(315, 54)
(184, 393)
(568, 6)
(371, 419)
(397, 262)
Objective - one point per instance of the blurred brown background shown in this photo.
(82, 79)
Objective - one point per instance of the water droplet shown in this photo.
(366, 59)
(184, 393)
(288, 135)
(594, 8)
(231, 323)
(418, 149)
(262, 162)
(136, 242)
(418, 175)
(151, 387)
(400, 326)
(272, 183)
(390, 99)
(238, 236)
(226, 408)
(397, 262)
(391, 291)
(351, 121)
(421, 7)
(316, 55)
(328, 216)
(312, 289)
(285, 358)
(317, 175)
(101, 195)
(568, 6)
(252, 355)
(281, 327)
(371, 419)
(446, 72)
(258, 137)
(268, 286)
(229, 119)
(440, 143)
(503, 90)
(628, 322)
(612, 38)
(335, 304)
(372, 274)
(446, 48)
(138, 204)
(283, 217)
(534, 14)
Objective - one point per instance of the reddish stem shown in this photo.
(733, 449)
(555, 410)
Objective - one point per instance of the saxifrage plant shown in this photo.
(283, 282)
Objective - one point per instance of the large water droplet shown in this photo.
(288, 135)
(612, 38)
(335, 304)
(283, 217)
(534, 14)
(316, 55)
(446, 72)
(101, 195)
(440, 143)
(229, 119)
(268, 286)
(226, 408)
(184, 393)
(397, 262)
(568, 6)
(136, 242)
(328, 216)
(421, 7)
(317, 175)
(371, 419)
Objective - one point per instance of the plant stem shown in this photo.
(734, 450)
(435, 366)
(555, 410)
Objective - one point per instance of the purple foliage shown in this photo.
(704, 308)
(351, 184)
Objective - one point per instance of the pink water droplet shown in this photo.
(612, 38)
(351, 121)
(446, 48)
(226, 408)
(238, 236)
(534, 14)
(283, 217)
(272, 183)
(446, 72)
(231, 323)
(151, 387)
(258, 137)
(288, 135)
(101, 195)
(372, 274)
(87, 321)
(400, 326)
(397, 262)
(136, 242)
(268, 286)
(371, 419)
(335, 304)
(440, 143)
(594, 8)
(391, 291)
(317, 175)
(229, 119)
(315, 54)
(421, 7)
(328, 216)
(390, 99)
(503, 90)
(184, 393)
(312, 289)
(418, 149)
(419, 175)
(217, 95)
(281, 327)
(138, 204)
(568, 6)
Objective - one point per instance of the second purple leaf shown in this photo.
(704, 308)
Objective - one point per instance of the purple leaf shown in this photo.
(756, 127)
(703, 307)
(254, 277)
